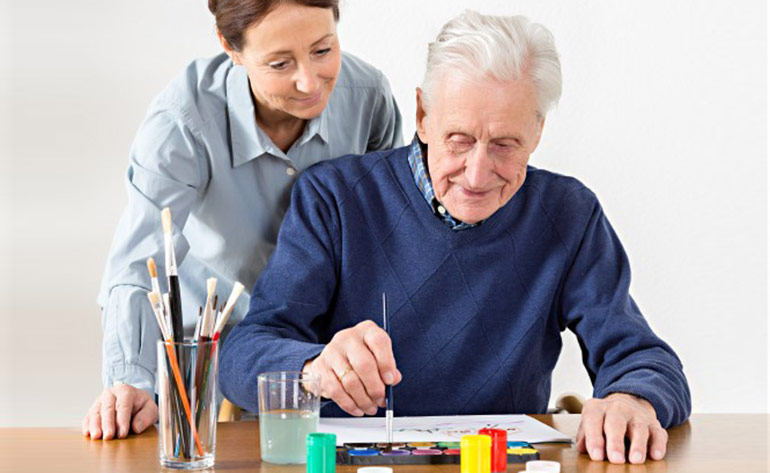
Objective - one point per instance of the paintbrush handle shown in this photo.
(175, 308)
(205, 383)
(202, 359)
(388, 388)
(389, 412)
(183, 394)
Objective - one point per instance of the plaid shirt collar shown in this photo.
(422, 179)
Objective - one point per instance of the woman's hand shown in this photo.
(117, 410)
(355, 367)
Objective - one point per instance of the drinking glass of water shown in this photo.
(288, 411)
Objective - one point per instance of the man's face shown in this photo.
(479, 135)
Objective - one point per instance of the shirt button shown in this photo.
(291, 171)
(441, 209)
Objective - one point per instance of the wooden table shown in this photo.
(718, 443)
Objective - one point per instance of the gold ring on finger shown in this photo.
(344, 373)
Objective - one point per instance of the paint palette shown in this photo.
(420, 453)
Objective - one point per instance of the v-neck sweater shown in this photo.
(476, 315)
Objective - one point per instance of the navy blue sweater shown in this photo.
(476, 314)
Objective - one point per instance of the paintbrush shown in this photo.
(157, 309)
(153, 270)
(174, 293)
(208, 312)
(389, 387)
(198, 324)
(167, 310)
(222, 320)
(214, 315)
(202, 336)
(154, 298)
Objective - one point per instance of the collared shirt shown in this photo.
(424, 184)
(200, 152)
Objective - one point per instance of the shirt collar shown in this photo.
(248, 141)
(422, 180)
(317, 126)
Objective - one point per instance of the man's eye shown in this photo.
(504, 146)
(460, 144)
(323, 52)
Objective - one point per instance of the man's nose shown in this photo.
(478, 168)
(306, 79)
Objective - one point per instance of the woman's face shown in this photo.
(292, 58)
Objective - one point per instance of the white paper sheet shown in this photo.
(439, 428)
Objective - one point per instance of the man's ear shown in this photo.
(422, 116)
(234, 56)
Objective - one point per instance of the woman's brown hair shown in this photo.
(235, 16)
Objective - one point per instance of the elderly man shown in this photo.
(484, 260)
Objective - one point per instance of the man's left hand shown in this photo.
(607, 422)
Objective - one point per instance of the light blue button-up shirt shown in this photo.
(200, 152)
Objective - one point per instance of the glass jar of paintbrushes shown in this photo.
(187, 369)
(187, 380)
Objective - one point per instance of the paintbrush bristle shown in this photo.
(165, 216)
(211, 286)
(152, 268)
(157, 309)
(237, 290)
(222, 320)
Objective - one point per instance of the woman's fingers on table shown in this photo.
(136, 410)
(85, 425)
(145, 411)
(124, 405)
(117, 410)
(107, 413)
(94, 419)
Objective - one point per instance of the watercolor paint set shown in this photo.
(420, 453)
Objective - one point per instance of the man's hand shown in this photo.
(355, 367)
(116, 410)
(615, 417)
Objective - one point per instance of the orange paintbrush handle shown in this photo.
(183, 395)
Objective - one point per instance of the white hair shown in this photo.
(504, 47)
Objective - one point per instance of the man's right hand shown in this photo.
(355, 367)
(117, 410)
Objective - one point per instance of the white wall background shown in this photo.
(663, 115)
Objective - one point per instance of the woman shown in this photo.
(222, 146)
